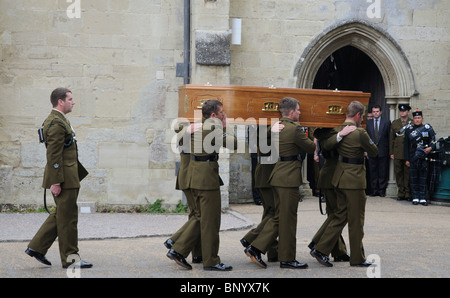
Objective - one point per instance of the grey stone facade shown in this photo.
(119, 59)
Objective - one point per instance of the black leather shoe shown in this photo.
(321, 258)
(169, 243)
(219, 267)
(343, 258)
(80, 264)
(293, 265)
(179, 259)
(197, 260)
(40, 257)
(244, 242)
(255, 256)
(363, 264)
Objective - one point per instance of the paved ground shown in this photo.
(405, 240)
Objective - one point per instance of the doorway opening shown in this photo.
(349, 68)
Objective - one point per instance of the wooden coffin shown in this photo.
(247, 104)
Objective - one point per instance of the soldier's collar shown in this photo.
(287, 119)
(59, 112)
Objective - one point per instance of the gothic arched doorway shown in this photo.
(351, 69)
(352, 45)
(379, 46)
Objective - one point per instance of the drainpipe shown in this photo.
(183, 69)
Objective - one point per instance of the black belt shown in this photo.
(354, 161)
(289, 158)
(205, 157)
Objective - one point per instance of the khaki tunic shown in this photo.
(350, 182)
(62, 168)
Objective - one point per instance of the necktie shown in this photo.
(376, 130)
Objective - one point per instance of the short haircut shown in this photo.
(376, 107)
(210, 106)
(287, 104)
(58, 93)
(355, 107)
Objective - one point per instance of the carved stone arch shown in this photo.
(384, 51)
(375, 42)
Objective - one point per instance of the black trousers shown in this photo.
(379, 173)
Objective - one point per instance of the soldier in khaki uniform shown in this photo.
(62, 175)
(184, 131)
(265, 164)
(339, 251)
(285, 179)
(349, 180)
(396, 148)
(204, 183)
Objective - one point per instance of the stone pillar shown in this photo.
(392, 186)
(393, 102)
(211, 59)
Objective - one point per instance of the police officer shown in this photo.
(285, 179)
(62, 175)
(419, 142)
(349, 180)
(396, 151)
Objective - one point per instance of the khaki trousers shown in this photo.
(62, 225)
(268, 213)
(205, 228)
(401, 172)
(283, 225)
(339, 248)
(190, 224)
(351, 206)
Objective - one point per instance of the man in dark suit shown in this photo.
(379, 129)
(62, 175)
(204, 182)
(285, 179)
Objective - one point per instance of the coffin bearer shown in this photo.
(265, 164)
(62, 175)
(339, 251)
(184, 131)
(204, 182)
(285, 180)
(419, 142)
(396, 151)
(350, 183)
